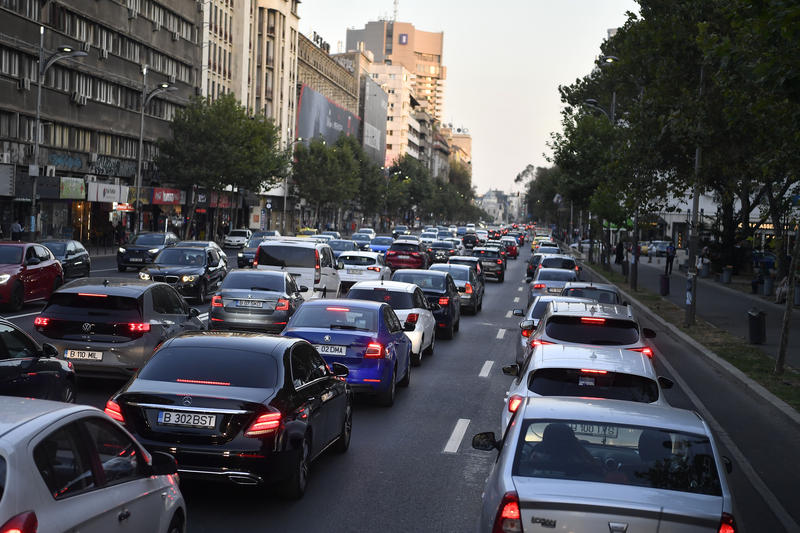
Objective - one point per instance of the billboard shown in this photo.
(319, 117)
(374, 104)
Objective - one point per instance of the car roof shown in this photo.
(547, 256)
(464, 258)
(589, 284)
(45, 241)
(547, 270)
(229, 340)
(259, 272)
(16, 411)
(367, 304)
(130, 287)
(594, 309)
(614, 411)
(399, 286)
(420, 271)
(448, 267)
(14, 243)
(371, 255)
(282, 241)
(596, 358)
(189, 247)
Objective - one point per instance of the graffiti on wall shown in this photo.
(64, 161)
(111, 166)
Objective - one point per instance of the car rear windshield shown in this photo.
(341, 245)
(286, 256)
(558, 262)
(361, 237)
(470, 237)
(238, 233)
(356, 260)
(456, 273)
(594, 384)
(556, 275)
(442, 245)
(405, 247)
(423, 281)
(646, 457)
(336, 316)
(382, 241)
(254, 281)
(601, 295)
(58, 248)
(254, 241)
(396, 299)
(548, 250)
(147, 239)
(230, 367)
(91, 304)
(487, 254)
(181, 256)
(10, 255)
(592, 330)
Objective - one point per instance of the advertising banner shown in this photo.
(220, 200)
(106, 192)
(375, 103)
(319, 117)
(163, 196)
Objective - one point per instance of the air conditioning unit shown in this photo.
(175, 36)
(103, 53)
(86, 46)
(5, 158)
(172, 78)
(76, 97)
(50, 171)
(24, 84)
(93, 157)
(132, 13)
(156, 26)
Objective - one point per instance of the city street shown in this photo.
(411, 467)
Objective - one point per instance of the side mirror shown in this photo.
(194, 312)
(303, 288)
(485, 441)
(511, 370)
(648, 333)
(727, 463)
(48, 350)
(526, 325)
(462, 289)
(163, 464)
(519, 312)
(339, 265)
(665, 383)
(339, 370)
(434, 306)
(625, 303)
(528, 279)
(32, 261)
(409, 326)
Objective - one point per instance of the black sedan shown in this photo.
(142, 249)
(255, 300)
(441, 292)
(30, 370)
(248, 253)
(245, 408)
(195, 272)
(72, 255)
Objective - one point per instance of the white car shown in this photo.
(428, 237)
(237, 238)
(458, 246)
(410, 305)
(69, 467)
(482, 234)
(369, 231)
(362, 266)
(309, 262)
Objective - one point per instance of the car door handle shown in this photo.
(123, 515)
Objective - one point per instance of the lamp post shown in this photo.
(691, 271)
(63, 52)
(146, 97)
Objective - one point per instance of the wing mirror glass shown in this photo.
(527, 325)
(434, 306)
(665, 383)
(32, 261)
(485, 441)
(648, 333)
(726, 461)
(519, 312)
(194, 312)
(409, 326)
(511, 370)
(163, 464)
(303, 288)
(462, 289)
(528, 279)
(339, 370)
(48, 350)
(339, 265)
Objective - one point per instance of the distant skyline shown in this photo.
(504, 66)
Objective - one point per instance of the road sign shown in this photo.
(269, 205)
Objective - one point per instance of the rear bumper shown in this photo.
(400, 264)
(120, 360)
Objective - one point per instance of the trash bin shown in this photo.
(664, 285)
(769, 285)
(756, 326)
(727, 272)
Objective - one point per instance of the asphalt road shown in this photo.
(409, 469)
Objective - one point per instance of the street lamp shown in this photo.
(146, 97)
(62, 52)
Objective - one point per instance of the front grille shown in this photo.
(165, 279)
(172, 279)
(158, 278)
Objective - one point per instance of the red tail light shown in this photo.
(112, 409)
(590, 371)
(468, 288)
(264, 424)
(374, 268)
(340, 309)
(445, 300)
(592, 320)
(527, 332)
(391, 252)
(283, 305)
(499, 261)
(139, 327)
(317, 276)
(412, 318)
(93, 295)
(540, 342)
(645, 350)
(204, 382)
(508, 518)
(255, 258)
(41, 321)
(216, 301)
(22, 523)
(374, 351)
(539, 285)
(576, 268)
(452, 251)
(513, 403)
(727, 524)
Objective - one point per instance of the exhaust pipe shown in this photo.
(244, 479)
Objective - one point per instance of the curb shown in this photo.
(722, 364)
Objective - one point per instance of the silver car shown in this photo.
(549, 281)
(605, 465)
(530, 320)
(604, 293)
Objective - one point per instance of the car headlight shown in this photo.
(187, 279)
(144, 275)
(240, 254)
(122, 250)
(4, 278)
(153, 250)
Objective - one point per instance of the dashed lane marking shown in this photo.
(485, 369)
(501, 333)
(519, 289)
(454, 442)
(516, 299)
(508, 314)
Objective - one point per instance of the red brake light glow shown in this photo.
(412, 318)
(21, 523)
(645, 350)
(374, 351)
(539, 285)
(139, 327)
(514, 403)
(342, 309)
(468, 288)
(499, 261)
(41, 321)
(216, 301)
(592, 320)
(374, 268)
(93, 295)
(540, 342)
(283, 305)
(508, 516)
(204, 382)
(527, 332)
(727, 524)
(444, 300)
(264, 424)
(112, 409)
(590, 371)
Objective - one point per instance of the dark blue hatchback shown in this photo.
(365, 336)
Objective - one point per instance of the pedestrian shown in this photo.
(618, 253)
(670, 259)
(16, 231)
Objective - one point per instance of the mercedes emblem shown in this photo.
(87, 327)
(327, 338)
(187, 401)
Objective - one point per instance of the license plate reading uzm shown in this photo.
(177, 418)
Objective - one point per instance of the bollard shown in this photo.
(756, 326)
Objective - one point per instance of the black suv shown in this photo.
(441, 292)
(491, 263)
(194, 271)
(142, 249)
(470, 241)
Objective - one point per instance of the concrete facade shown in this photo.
(325, 75)
(402, 129)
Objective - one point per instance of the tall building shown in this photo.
(222, 46)
(420, 52)
(322, 73)
(402, 129)
(90, 109)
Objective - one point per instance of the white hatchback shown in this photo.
(70, 467)
(237, 238)
(362, 266)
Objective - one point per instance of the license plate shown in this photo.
(353, 271)
(247, 303)
(402, 256)
(554, 291)
(194, 420)
(331, 349)
(83, 354)
(595, 430)
(135, 259)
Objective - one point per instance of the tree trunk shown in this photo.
(775, 214)
(728, 236)
(188, 228)
(787, 313)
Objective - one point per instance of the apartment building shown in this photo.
(402, 129)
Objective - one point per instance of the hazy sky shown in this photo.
(505, 60)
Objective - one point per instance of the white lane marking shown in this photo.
(454, 442)
(501, 333)
(508, 314)
(20, 316)
(741, 462)
(487, 367)
(519, 289)
(516, 299)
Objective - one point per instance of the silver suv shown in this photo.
(311, 263)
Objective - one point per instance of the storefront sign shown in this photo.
(218, 200)
(72, 188)
(6, 180)
(128, 208)
(48, 188)
(166, 196)
(106, 192)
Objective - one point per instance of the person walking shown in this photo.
(16, 231)
(670, 259)
(619, 254)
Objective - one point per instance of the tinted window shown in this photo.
(302, 366)
(335, 317)
(253, 242)
(609, 332)
(63, 463)
(556, 275)
(146, 239)
(487, 254)
(121, 307)
(423, 281)
(236, 368)
(578, 449)
(14, 344)
(119, 457)
(611, 385)
(442, 244)
(58, 248)
(286, 256)
(382, 241)
(356, 260)
(457, 273)
(405, 247)
(238, 233)
(539, 308)
(10, 255)
(181, 256)
(341, 245)
(601, 295)
(254, 281)
(360, 237)
(558, 262)
(166, 301)
(396, 299)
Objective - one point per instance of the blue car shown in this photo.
(367, 337)
(380, 244)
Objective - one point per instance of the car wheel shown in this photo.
(88, 271)
(343, 443)
(176, 524)
(416, 358)
(501, 278)
(480, 303)
(121, 268)
(17, 297)
(429, 350)
(386, 398)
(202, 293)
(56, 284)
(458, 324)
(295, 486)
(68, 392)
(407, 378)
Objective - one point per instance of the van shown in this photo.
(310, 263)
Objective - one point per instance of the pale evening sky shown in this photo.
(504, 59)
